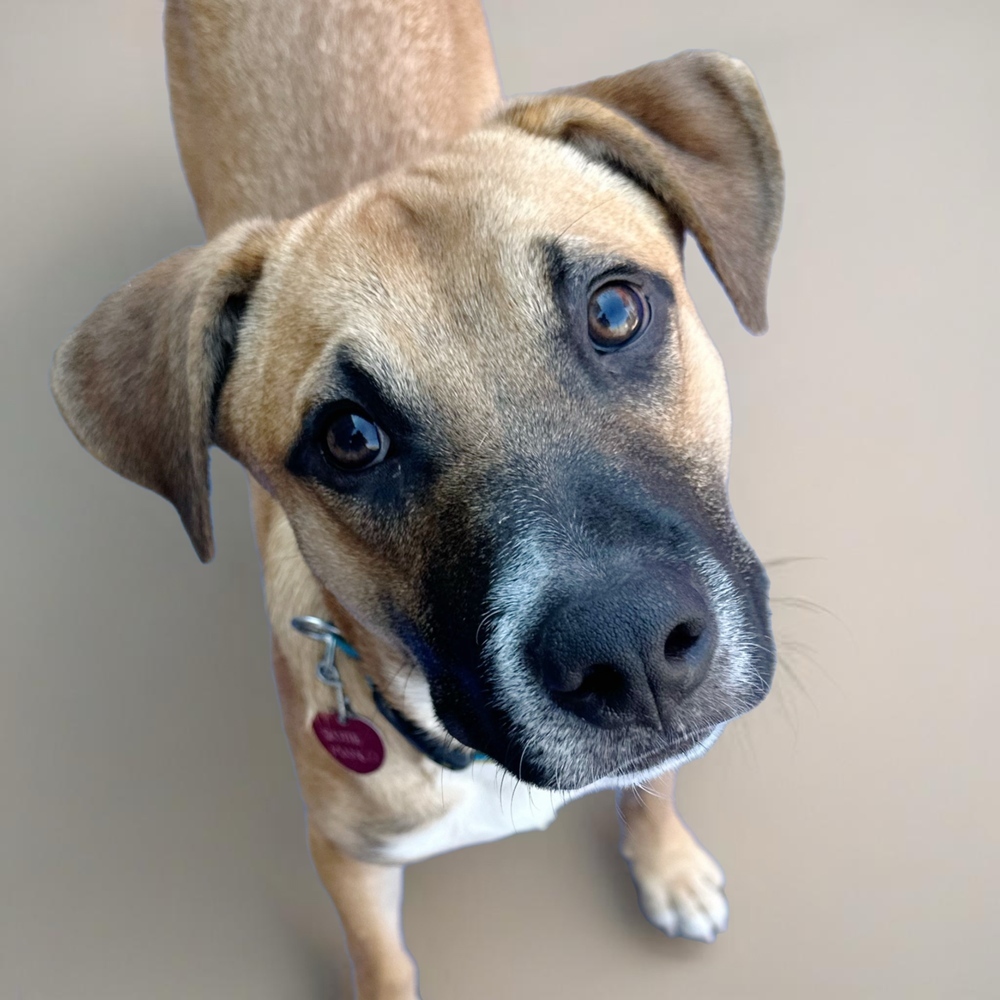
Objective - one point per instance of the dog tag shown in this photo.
(351, 741)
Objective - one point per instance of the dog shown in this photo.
(487, 436)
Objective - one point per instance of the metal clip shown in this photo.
(326, 669)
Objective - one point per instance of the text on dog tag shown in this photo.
(355, 742)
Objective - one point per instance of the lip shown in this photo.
(678, 751)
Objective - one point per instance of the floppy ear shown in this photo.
(138, 381)
(692, 130)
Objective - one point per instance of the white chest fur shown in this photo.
(488, 805)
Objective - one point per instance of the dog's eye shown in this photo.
(352, 442)
(617, 313)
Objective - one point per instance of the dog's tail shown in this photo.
(280, 105)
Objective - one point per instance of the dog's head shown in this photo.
(482, 396)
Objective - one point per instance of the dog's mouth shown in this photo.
(564, 705)
(555, 747)
(592, 773)
(679, 747)
(675, 752)
(630, 674)
(557, 750)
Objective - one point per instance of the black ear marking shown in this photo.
(221, 341)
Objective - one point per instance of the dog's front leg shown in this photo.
(679, 883)
(369, 898)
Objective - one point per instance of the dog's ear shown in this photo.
(139, 380)
(693, 130)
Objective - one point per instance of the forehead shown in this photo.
(437, 275)
(471, 213)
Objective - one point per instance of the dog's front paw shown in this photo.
(680, 891)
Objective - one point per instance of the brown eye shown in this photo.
(616, 313)
(353, 442)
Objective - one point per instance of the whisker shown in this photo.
(584, 214)
(783, 561)
(803, 604)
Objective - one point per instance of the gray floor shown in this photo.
(152, 837)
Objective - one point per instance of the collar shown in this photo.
(452, 758)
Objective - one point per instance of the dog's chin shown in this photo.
(588, 773)
(684, 752)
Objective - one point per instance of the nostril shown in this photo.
(602, 682)
(682, 639)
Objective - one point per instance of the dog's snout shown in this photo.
(624, 651)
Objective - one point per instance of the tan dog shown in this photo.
(487, 434)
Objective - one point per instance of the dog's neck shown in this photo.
(399, 690)
(377, 662)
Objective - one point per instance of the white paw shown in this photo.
(682, 894)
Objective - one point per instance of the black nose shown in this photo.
(626, 648)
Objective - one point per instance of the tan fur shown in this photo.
(159, 357)
(705, 146)
(679, 883)
(283, 106)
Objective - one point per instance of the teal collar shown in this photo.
(451, 758)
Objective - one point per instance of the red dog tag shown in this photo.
(355, 742)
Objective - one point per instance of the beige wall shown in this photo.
(151, 834)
